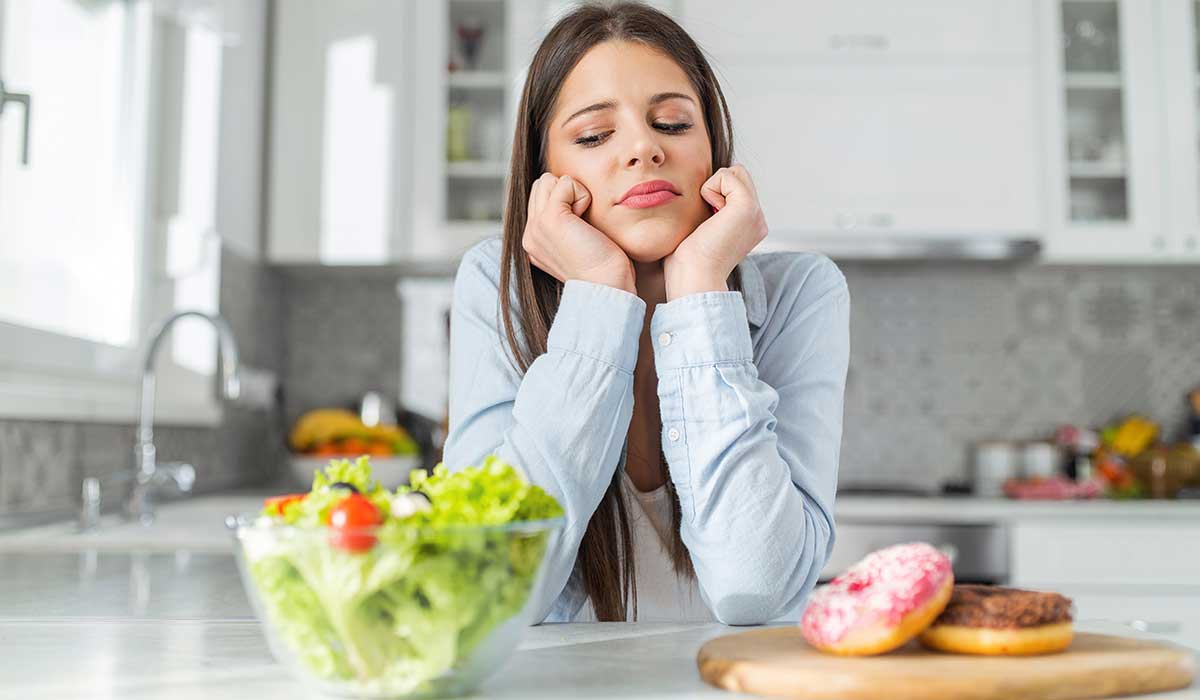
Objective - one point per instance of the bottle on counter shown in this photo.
(1194, 418)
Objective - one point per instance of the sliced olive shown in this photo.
(344, 485)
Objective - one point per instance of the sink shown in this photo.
(196, 524)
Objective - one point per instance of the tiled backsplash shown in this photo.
(942, 355)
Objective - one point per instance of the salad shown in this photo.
(388, 590)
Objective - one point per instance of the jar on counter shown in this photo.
(1040, 460)
(995, 463)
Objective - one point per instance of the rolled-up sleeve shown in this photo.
(752, 443)
(564, 421)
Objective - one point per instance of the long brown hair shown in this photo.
(607, 542)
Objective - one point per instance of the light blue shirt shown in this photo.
(750, 386)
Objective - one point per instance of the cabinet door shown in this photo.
(874, 119)
(1179, 27)
(856, 30)
(1142, 552)
(338, 178)
(902, 150)
(1103, 121)
(1170, 613)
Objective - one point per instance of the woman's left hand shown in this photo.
(703, 261)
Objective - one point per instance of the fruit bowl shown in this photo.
(390, 472)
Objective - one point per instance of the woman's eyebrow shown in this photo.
(609, 104)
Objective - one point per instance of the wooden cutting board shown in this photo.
(776, 661)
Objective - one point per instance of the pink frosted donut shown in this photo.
(879, 603)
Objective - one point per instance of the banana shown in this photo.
(324, 425)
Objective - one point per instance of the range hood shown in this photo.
(884, 247)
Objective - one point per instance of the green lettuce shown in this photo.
(417, 604)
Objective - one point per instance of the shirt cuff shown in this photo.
(701, 329)
(600, 322)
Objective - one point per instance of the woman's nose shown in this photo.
(645, 148)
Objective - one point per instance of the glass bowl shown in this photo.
(393, 612)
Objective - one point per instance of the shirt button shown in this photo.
(673, 434)
(664, 339)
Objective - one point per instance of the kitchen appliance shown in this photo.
(978, 553)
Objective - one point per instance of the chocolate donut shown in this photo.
(999, 620)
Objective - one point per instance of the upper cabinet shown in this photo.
(1069, 121)
(1120, 95)
(873, 118)
(391, 126)
(341, 111)
(1179, 21)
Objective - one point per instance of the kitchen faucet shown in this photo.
(149, 473)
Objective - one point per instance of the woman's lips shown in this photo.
(642, 201)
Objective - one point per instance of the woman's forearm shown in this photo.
(563, 422)
(755, 465)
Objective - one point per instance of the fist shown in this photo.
(558, 241)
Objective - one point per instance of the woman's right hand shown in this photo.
(558, 241)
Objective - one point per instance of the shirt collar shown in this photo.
(754, 292)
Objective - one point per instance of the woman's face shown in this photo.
(625, 115)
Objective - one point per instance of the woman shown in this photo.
(681, 400)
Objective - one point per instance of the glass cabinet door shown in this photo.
(1104, 125)
(1096, 137)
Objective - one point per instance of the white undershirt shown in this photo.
(662, 595)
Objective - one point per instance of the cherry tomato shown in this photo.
(354, 512)
(276, 504)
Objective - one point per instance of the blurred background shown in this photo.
(1012, 188)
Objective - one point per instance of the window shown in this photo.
(110, 224)
(70, 239)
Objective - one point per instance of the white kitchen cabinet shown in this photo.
(1120, 119)
(1140, 572)
(361, 167)
(871, 118)
(1179, 24)
(459, 192)
(861, 30)
(1174, 614)
(339, 148)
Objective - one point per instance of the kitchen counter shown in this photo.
(196, 523)
(971, 510)
(106, 624)
(213, 659)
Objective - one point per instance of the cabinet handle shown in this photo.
(26, 102)
(881, 219)
(873, 42)
(1164, 628)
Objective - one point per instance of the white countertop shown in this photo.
(196, 523)
(109, 624)
(87, 617)
(64, 659)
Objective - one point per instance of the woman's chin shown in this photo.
(650, 241)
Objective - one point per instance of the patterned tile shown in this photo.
(942, 357)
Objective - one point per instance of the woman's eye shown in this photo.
(597, 139)
(593, 140)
